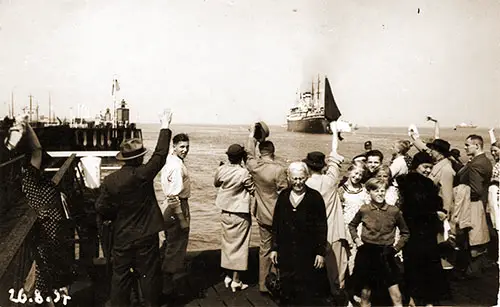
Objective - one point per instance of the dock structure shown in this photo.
(202, 283)
(203, 286)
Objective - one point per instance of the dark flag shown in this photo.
(332, 112)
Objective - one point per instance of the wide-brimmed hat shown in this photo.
(235, 150)
(131, 149)
(315, 160)
(261, 131)
(441, 146)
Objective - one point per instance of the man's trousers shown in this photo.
(137, 265)
(264, 252)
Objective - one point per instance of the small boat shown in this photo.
(465, 126)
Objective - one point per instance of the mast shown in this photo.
(12, 102)
(31, 107)
(312, 91)
(114, 103)
(50, 109)
(37, 107)
(318, 102)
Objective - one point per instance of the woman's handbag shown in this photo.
(273, 282)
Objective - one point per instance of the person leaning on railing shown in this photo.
(53, 241)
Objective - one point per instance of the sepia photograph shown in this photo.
(249, 153)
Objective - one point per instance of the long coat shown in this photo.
(424, 274)
(299, 234)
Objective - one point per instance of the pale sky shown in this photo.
(234, 62)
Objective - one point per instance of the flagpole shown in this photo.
(114, 103)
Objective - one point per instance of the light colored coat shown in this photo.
(442, 175)
(269, 178)
(326, 185)
(336, 254)
(235, 186)
(471, 214)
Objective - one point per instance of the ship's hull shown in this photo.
(318, 125)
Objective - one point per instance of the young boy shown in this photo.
(375, 264)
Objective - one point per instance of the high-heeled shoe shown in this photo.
(238, 285)
(227, 281)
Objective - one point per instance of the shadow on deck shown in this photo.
(202, 285)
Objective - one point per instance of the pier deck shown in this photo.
(203, 286)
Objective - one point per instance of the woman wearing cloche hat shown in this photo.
(233, 198)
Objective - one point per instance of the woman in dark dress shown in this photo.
(299, 239)
(422, 209)
(53, 236)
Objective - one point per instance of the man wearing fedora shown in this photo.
(270, 178)
(128, 199)
(324, 178)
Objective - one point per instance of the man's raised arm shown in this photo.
(250, 150)
(149, 170)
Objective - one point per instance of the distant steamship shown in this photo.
(314, 111)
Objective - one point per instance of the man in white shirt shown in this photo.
(175, 209)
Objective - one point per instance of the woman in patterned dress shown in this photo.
(53, 240)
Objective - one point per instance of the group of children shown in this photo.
(375, 228)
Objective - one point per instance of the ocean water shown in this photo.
(208, 144)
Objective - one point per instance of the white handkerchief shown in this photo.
(413, 128)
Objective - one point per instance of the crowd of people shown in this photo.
(383, 231)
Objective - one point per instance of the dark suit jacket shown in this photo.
(477, 175)
(128, 197)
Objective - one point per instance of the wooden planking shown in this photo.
(237, 299)
(256, 299)
(211, 298)
(205, 287)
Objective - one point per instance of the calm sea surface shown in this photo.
(209, 143)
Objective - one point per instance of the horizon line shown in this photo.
(278, 125)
